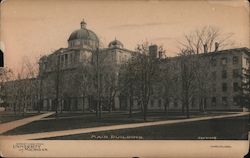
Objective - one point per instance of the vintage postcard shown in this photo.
(155, 78)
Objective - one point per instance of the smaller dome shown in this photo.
(115, 44)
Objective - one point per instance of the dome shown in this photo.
(115, 44)
(83, 34)
(83, 37)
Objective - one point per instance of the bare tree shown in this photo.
(145, 67)
(194, 68)
(85, 77)
(203, 76)
(110, 85)
(128, 82)
(188, 67)
(206, 39)
(24, 87)
(6, 75)
(169, 82)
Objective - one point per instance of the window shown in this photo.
(62, 60)
(214, 75)
(70, 58)
(223, 61)
(245, 61)
(213, 62)
(235, 73)
(175, 103)
(160, 90)
(152, 102)
(213, 87)
(58, 60)
(236, 86)
(159, 102)
(152, 90)
(125, 57)
(77, 43)
(66, 59)
(224, 74)
(224, 87)
(84, 57)
(224, 100)
(193, 102)
(235, 60)
(235, 101)
(205, 102)
(214, 101)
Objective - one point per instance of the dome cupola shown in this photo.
(115, 44)
(83, 38)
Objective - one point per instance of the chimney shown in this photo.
(160, 54)
(153, 49)
(216, 45)
(205, 48)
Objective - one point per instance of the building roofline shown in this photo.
(224, 51)
(20, 80)
(103, 49)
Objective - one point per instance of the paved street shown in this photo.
(4, 127)
(115, 127)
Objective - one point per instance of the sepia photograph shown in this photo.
(124, 71)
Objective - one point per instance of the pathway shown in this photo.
(114, 127)
(4, 127)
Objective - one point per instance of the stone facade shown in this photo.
(66, 76)
(60, 72)
(223, 70)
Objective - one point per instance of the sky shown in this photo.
(32, 28)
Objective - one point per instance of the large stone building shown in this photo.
(67, 78)
(218, 85)
(62, 72)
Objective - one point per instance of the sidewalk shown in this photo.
(114, 127)
(4, 127)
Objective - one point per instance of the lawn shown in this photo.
(90, 120)
(221, 129)
(7, 117)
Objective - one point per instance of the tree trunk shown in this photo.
(130, 106)
(61, 105)
(19, 108)
(187, 108)
(145, 114)
(183, 107)
(113, 104)
(83, 104)
(166, 105)
(23, 110)
(145, 111)
(96, 109)
(15, 108)
(70, 106)
(110, 105)
(39, 106)
(56, 104)
(99, 109)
